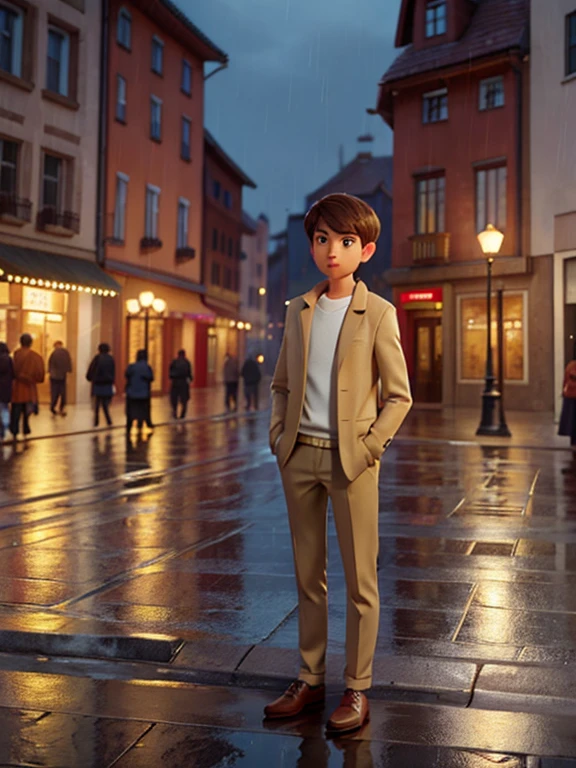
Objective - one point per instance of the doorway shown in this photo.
(428, 359)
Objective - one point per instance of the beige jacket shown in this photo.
(373, 388)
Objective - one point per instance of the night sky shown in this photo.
(300, 77)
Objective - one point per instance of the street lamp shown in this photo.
(145, 302)
(490, 241)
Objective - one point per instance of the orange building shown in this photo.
(154, 182)
(223, 229)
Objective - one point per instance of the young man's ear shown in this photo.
(367, 252)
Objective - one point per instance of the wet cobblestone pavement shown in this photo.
(182, 536)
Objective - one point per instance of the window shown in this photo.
(186, 134)
(430, 205)
(120, 207)
(215, 274)
(491, 198)
(8, 167)
(58, 62)
(186, 84)
(435, 18)
(227, 279)
(435, 106)
(183, 210)
(492, 93)
(53, 183)
(214, 239)
(571, 43)
(230, 247)
(217, 190)
(157, 55)
(227, 199)
(155, 118)
(124, 30)
(223, 243)
(120, 98)
(152, 209)
(472, 332)
(258, 270)
(11, 31)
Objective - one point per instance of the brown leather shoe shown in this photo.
(352, 713)
(298, 696)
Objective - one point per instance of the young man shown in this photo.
(340, 393)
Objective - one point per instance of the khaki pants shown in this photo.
(310, 477)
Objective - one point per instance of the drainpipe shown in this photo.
(102, 135)
(520, 156)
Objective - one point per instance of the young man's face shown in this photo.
(338, 255)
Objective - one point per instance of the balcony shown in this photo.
(431, 249)
(185, 254)
(65, 224)
(14, 210)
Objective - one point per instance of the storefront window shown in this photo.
(473, 337)
(136, 334)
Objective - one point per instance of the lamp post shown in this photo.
(490, 241)
(143, 305)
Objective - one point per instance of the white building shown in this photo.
(553, 163)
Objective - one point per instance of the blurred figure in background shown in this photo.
(567, 426)
(139, 378)
(251, 375)
(59, 366)
(231, 379)
(28, 373)
(181, 377)
(6, 379)
(101, 372)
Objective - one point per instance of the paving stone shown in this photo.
(527, 688)
(511, 627)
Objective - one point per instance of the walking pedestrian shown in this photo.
(329, 430)
(231, 379)
(139, 377)
(101, 373)
(567, 426)
(181, 377)
(251, 375)
(59, 366)
(28, 373)
(6, 379)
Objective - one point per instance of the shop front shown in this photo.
(420, 314)
(54, 298)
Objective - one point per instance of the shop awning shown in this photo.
(51, 270)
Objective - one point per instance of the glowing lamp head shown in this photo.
(490, 240)
(262, 291)
(132, 306)
(260, 359)
(159, 305)
(240, 325)
(146, 299)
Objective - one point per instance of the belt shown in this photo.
(318, 442)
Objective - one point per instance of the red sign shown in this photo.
(425, 294)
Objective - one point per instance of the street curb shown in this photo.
(152, 648)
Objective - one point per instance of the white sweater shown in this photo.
(319, 416)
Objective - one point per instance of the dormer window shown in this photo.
(435, 18)
(435, 106)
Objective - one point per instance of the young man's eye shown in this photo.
(347, 242)
(321, 239)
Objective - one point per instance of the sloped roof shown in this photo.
(362, 176)
(496, 26)
(217, 150)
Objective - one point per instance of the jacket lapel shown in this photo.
(352, 320)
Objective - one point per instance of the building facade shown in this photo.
(154, 183)
(253, 282)
(552, 164)
(223, 229)
(277, 294)
(50, 283)
(458, 101)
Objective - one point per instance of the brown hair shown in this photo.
(344, 214)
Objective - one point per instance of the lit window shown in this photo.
(124, 30)
(183, 211)
(157, 55)
(11, 31)
(491, 198)
(155, 118)
(120, 207)
(435, 106)
(492, 93)
(58, 61)
(473, 332)
(120, 98)
(430, 205)
(186, 84)
(435, 18)
(152, 210)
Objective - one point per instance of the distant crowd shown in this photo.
(24, 370)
